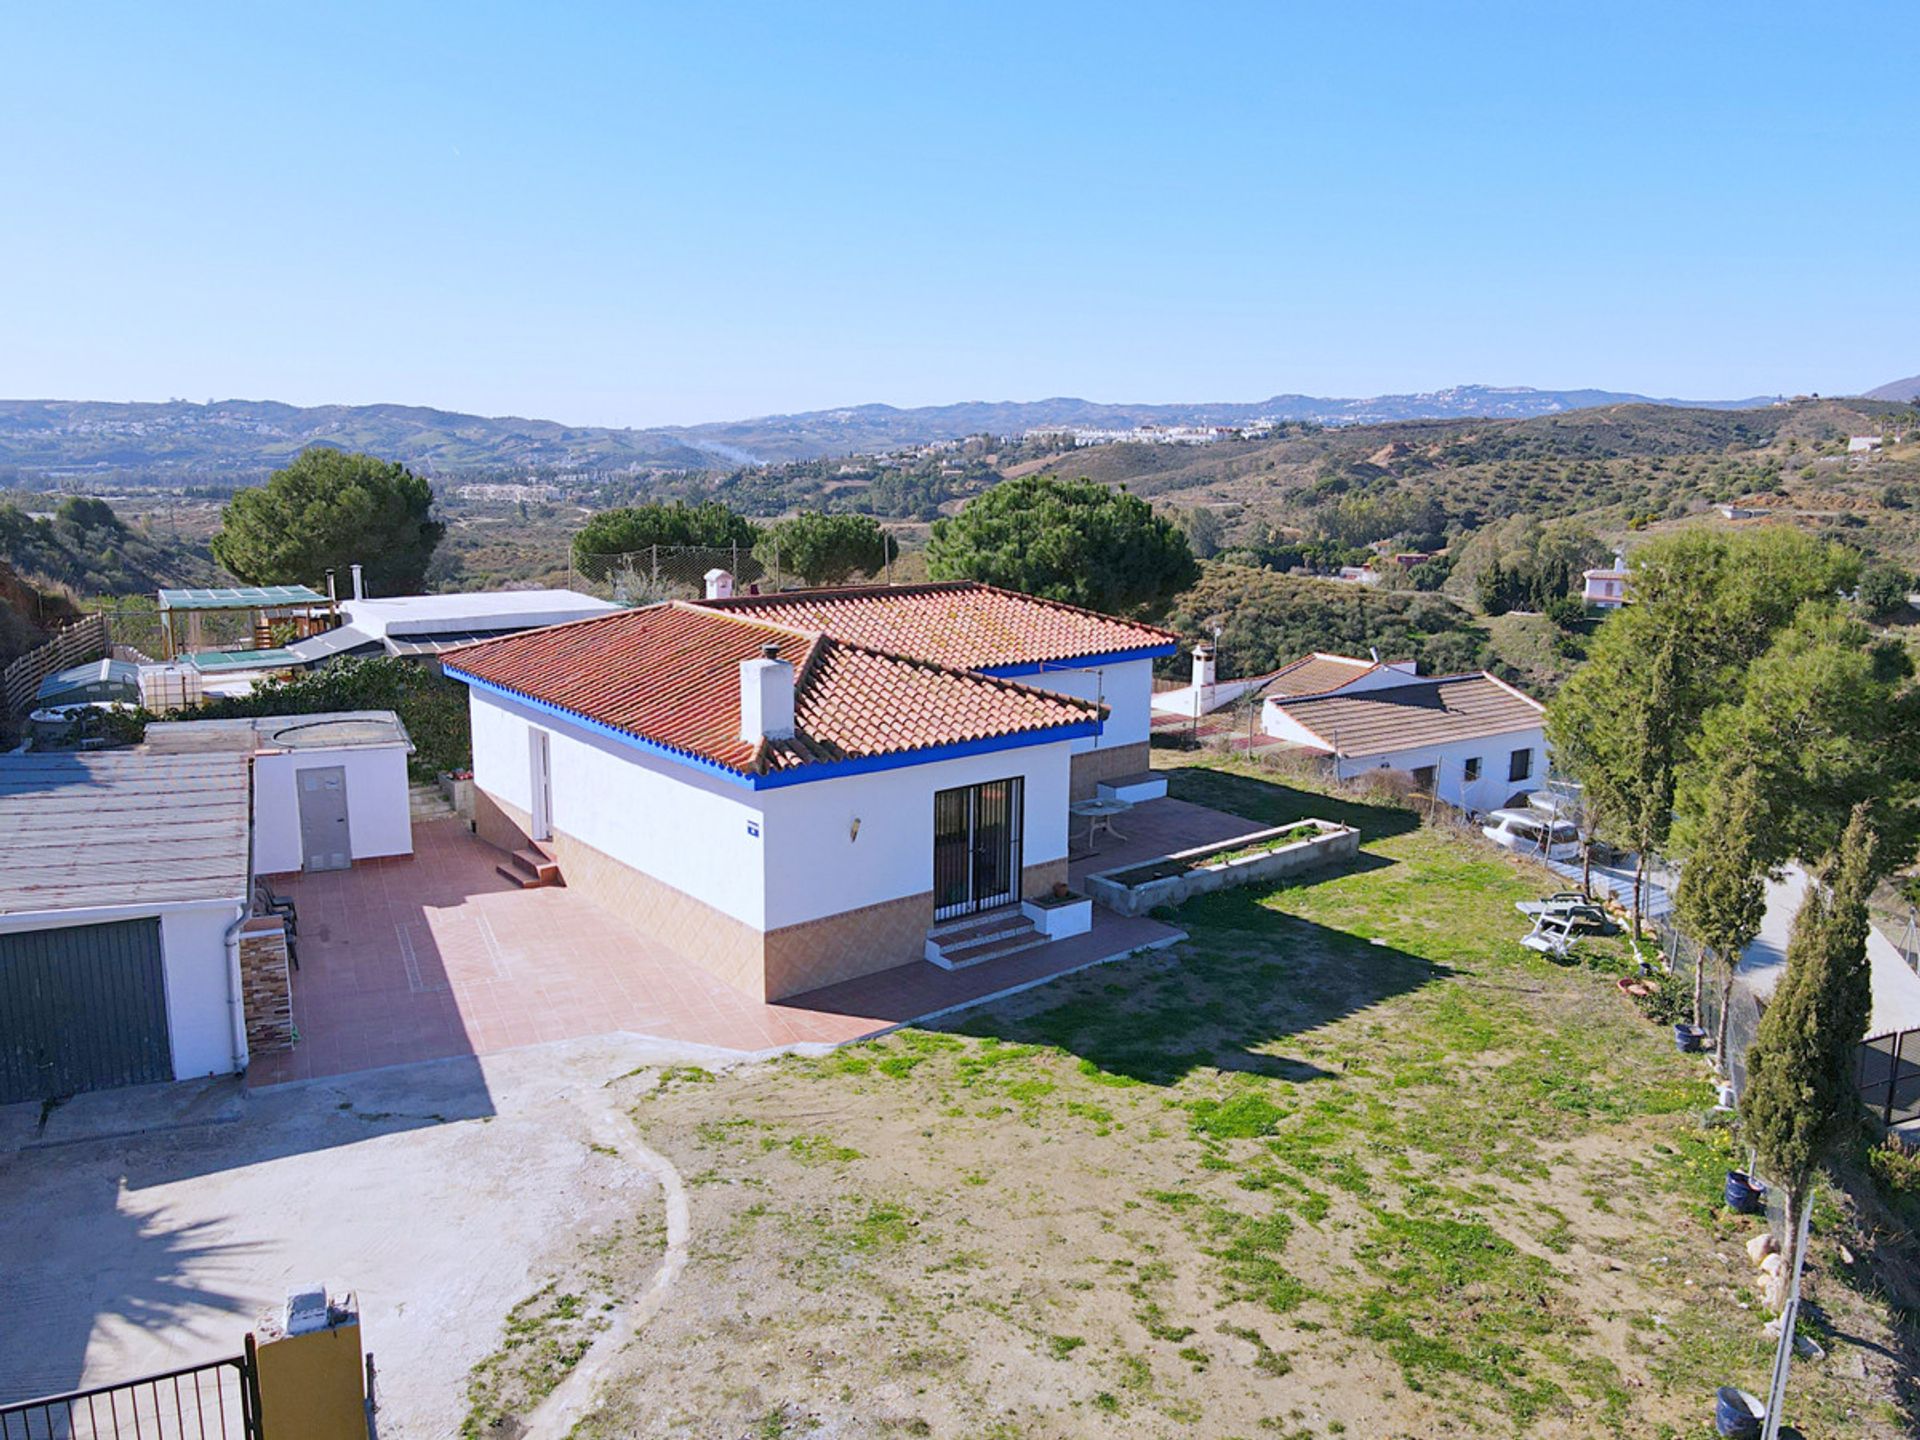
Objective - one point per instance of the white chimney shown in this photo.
(1204, 673)
(719, 584)
(359, 588)
(766, 697)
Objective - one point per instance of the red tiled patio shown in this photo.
(439, 956)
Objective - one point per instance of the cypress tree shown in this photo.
(1722, 896)
(1800, 1100)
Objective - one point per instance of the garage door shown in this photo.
(82, 1008)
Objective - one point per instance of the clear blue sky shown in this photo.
(629, 214)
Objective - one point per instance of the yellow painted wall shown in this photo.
(311, 1386)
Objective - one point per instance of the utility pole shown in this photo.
(1783, 1352)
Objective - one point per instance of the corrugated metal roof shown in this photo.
(219, 662)
(1414, 715)
(241, 597)
(121, 828)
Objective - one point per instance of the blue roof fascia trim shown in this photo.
(867, 764)
(827, 770)
(1079, 662)
(600, 727)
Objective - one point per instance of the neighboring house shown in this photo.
(128, 949)
(797, 789)
(1606, 589)
(1863, 444)
(1308, 675)
(1472, 740)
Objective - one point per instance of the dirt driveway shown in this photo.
(439, 1192)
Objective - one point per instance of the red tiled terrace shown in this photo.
(439, 956)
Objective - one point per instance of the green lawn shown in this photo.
(1351, 1161)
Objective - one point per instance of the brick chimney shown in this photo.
(766, 697)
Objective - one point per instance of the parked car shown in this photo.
(1530, 833)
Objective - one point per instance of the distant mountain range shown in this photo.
(1898, 391)
(241, 438)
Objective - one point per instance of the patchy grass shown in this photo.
(1351, 1160)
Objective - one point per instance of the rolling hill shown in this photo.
(241, 439)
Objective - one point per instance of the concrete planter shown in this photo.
(1059, 919)
(1199, 876)
(459, 792)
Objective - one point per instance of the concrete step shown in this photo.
(530, 869)
(972, 939)
(979, 954)
(969, 931)
(537, 863)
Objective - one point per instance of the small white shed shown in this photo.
(328, 789)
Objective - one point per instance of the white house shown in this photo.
(1472, 739)
(1606, 589)
(1863, 444)
(796, 789)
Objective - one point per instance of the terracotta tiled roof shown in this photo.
(670, 674)
(1316, 673)
(965, 625)
(1414, 715)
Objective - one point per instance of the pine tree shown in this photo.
(1722, 896)
(1800, 1099)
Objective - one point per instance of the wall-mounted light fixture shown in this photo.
(853, 830)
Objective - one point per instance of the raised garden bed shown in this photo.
(1258, 856)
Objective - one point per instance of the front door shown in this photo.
(540, 756)
(324, 844)
(976, 847)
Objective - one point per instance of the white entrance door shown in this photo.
(540, 758)
(324, 843)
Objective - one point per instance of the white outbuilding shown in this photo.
(124, 882)
(328, 789)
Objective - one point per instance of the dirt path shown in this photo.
(556, 1416)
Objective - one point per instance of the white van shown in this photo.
(1530, 833)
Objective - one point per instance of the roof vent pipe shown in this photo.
(766, 697)
(1374, 651)
(359, 588)
(331, 597)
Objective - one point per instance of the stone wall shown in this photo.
(1090, 767)
(266, 990)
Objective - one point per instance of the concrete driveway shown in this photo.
(148, 1229)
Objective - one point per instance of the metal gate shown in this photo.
(216, 1401)
(82, 1008)
(976, 847)
(1889, 1077)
